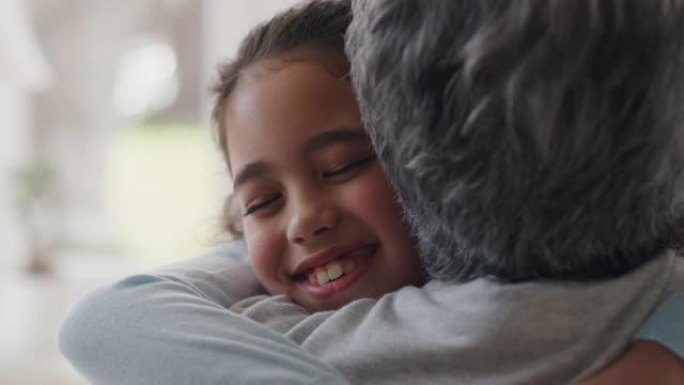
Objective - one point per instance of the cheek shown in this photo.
(384, 214)
(376, 205)
(265, 251)
(373, 200)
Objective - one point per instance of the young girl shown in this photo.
(320, 220)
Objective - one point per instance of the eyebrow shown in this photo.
(327, 138)
(250, 171)
(317, 143)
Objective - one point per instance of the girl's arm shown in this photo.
(657, 357)
(666, 325)
(646, 362)
(173, 328)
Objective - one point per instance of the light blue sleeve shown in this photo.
(666, 325)
(173, 327)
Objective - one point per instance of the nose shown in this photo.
(312, 217)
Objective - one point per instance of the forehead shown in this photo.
(278, 104)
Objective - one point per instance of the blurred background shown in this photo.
(107, 161)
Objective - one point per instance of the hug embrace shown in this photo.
(445, 192)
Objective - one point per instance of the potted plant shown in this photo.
(35, 201)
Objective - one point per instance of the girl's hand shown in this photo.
(645, 362)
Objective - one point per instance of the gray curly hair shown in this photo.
(527, 139)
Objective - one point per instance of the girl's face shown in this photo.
(320, 220)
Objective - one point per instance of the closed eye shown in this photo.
(348, 168)
(262, 204)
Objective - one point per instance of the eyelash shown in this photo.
(251, 209)
(348, 167)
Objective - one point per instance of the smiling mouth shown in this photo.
(338, 268)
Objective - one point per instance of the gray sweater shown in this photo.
(174, 327)
(480, 332)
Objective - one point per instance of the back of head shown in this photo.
(527, 139)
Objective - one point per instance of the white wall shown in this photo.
(23, 71)
(14, 109)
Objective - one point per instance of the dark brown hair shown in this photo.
(317, 27)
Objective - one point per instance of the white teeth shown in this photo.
(322, 277)
(349, 266)
(335, 271)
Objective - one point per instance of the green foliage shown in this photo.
(35, 185)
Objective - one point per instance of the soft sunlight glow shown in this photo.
(147, 79)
